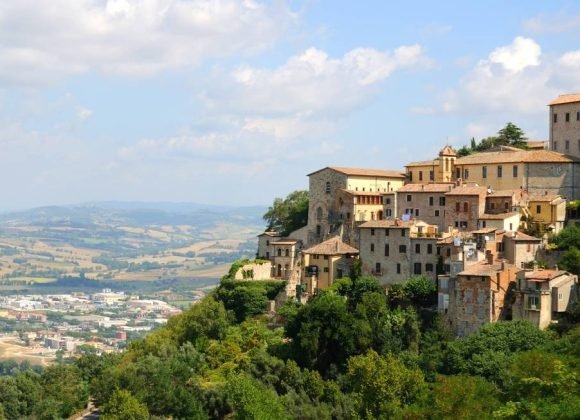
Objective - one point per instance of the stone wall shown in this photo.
(556, 178)
(255, 272)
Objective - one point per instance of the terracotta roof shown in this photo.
(364, 172)
(504, 193)
(567, 98)
(284, 241)
(513, 156)
(433, 162)
(537, 144)
(520, 236)
(270, 233)
(543, 275)
(447, 151)
(387, 224)
(427, 188)
(333, 246)
(482, 268)
(483, 231)
(499, 216)
(468, 190)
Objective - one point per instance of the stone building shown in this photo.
(503, 201)
(520, 249)
(464, 206)
(337, 196)
(264, 244)
(394, 250)
(326, 262)
(509, 221)
(547, 212)
(425, 202)
(284, 256)
(478, 295)
(565, 124)
(542, 296)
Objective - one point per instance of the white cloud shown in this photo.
(84, 113)
(521, 53)
(42, 43)
(556, 23)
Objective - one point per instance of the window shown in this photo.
(388, 212)
(538, 209)
(403, 249)
(457, 173)
(326, 257)
(326, 269)
(402, 232)
(578, 116)
(387, 201)
(377, 268)
(436, 213)
(372, 232)
(466, 174)
(347, 216)
(484, 171)
(267, 255)
(448, 252)
(506, 206)
(567, 117)
(398, 268)
(319, 213)
(279, 252)
(443, 283)
(417, 248)
(318, 230)
(483, 224)
(287, 253)
(420, 175)
(429, 248)
(555, 145)
(417, 268)
(327, 187)
(416, 212)
(458, 207)
(409, 198)
(372, 247)
(431, 176)
(465, 207)
(533, 303)
(429, 268)
(386, 250)
(567, 145)
(411, 176)
(442, 201)
(431, 200)
(315, 257)
(499, 171)
(515, 171)
(387, 232)
(267, 243)
(555, 118)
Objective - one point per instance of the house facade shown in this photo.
(565, 124)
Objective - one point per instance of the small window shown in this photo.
(328, 187)
(431, 176)
(279, 252)
(429, 268)
(402, 232)
(417, 248)
(458, 207)
(416, 212)
(347, 216)
(398, 268)
(555, 118)
(515, 171)
(372, 232)
(372, 247)
(417, 268)
(578, 116)
(326, 257)
(388, 201)
(431, 201)
(420, 175)
(429, 248)
(387, 250)
(457, 173)
(448, 252)
(484, 171)
(436, 213)
(326, 269)
(465, 207)
(567, 117)
(403, 249)
(538, 209)
(389, 212)
(387, 232)
(442, 201)
(466, 173)
(409, 198)
(555, 145)
(499, 171)
(378, 268)
(506, 206)
(287, 253)
(411, 176)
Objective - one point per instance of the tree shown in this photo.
(252, 400)
(382, 386)
(568, 237)
(571, 260)
(512, 135)
(124, 406)
(288, 214)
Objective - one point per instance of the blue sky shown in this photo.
(234, 102)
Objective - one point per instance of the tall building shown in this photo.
(565, 124)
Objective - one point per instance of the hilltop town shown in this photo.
(476, 225)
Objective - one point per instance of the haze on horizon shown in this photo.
(234, 102)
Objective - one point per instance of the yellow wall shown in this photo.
(323, 280)
(506, 182)
(373, 184)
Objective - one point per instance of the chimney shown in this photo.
(489, 257)
(556, 267)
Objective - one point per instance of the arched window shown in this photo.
(287, 252)
(279, 252)
(319, 213)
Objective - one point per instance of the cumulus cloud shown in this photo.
(138, 37)
(521, 53)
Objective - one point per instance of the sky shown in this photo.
(234, 102)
